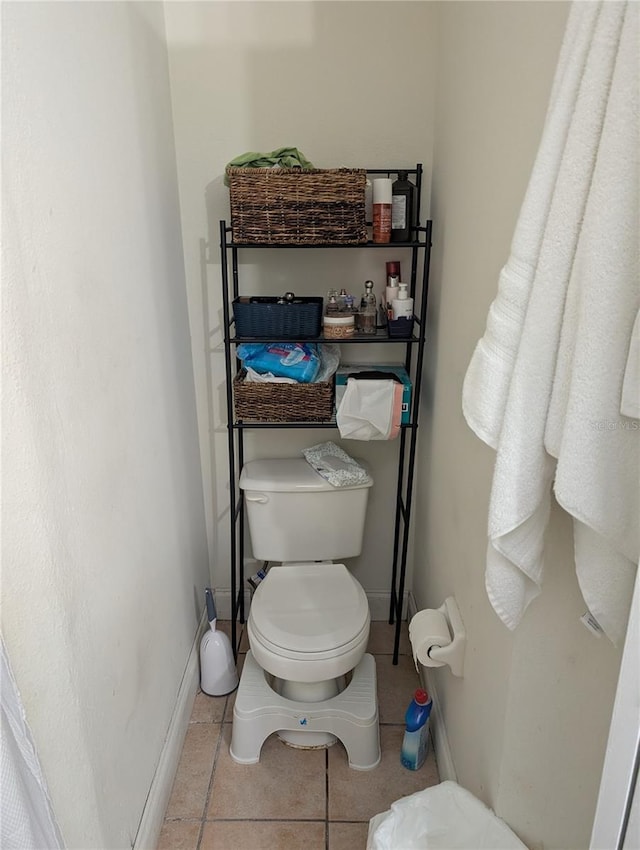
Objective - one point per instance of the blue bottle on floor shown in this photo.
(416, 736)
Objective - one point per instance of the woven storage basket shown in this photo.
(274, 402)
(292, 206)
(264, 317)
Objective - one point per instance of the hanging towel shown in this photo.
(630, 405)
(366, 410)
(27, 821)
(551, 363)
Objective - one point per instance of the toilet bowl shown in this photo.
(308, 628)
(307, 675)
(308, 622)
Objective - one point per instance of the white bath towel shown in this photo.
(550, 365)
(630, 405)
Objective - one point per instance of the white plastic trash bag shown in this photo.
(443, 817)
(366, 410)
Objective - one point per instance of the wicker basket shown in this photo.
(291, 206)
(273, 402)
(264, 317)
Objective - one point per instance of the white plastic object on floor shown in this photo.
(218, 675)
(352, 715)
(442, 817)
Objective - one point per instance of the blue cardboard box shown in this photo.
(346, 370)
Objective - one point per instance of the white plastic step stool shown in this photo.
(352, 716)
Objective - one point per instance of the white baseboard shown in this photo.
(444, 758)
(223, 603)
(160, 791)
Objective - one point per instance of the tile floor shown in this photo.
(292, 799)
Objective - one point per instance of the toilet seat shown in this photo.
(309, 622)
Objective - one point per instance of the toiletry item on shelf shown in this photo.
(296, 360)
(368, 312)
(402, 208)
(416, 736)
(393, 270)
(391, 293)
(402, 306)
(332, 302)
(339, 325)
(382, 201)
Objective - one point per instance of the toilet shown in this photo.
(307, 675)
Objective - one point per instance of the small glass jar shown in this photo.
(368, 312)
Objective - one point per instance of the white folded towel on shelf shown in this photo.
(336, 466)
(552, 361)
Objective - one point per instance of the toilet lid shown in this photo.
(309, 608)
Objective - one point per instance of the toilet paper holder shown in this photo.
(452, 653)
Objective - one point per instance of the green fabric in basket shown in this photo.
(280, 158)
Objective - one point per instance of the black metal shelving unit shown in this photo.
(420, 249)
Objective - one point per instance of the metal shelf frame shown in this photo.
(420, 249)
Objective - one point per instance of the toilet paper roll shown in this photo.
(428, 628)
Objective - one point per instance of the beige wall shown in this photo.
(528, 722)
(104, 552)
(348, 83)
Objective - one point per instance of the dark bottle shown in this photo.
(402, 213)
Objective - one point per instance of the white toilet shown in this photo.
(307, 675)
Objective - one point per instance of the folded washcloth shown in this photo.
(336, 466)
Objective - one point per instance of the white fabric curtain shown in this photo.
(551, 384)
(26, 816)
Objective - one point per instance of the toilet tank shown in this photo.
(294, 514)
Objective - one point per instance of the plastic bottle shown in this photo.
(402, 208)
(391, 293)
(402, 306)
(382, 200)
(416, 736)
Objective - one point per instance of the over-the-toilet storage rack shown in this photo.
(420, 252)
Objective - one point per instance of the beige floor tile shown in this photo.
(189, 793)
(358, 795)
(179, 835)
(396, 686)
(241, 638)
(208, 709)
(382, 636)
(286, 783)
(244, 639)
(263, 835)
(348, 836)
(224, 626)
(231, 699)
